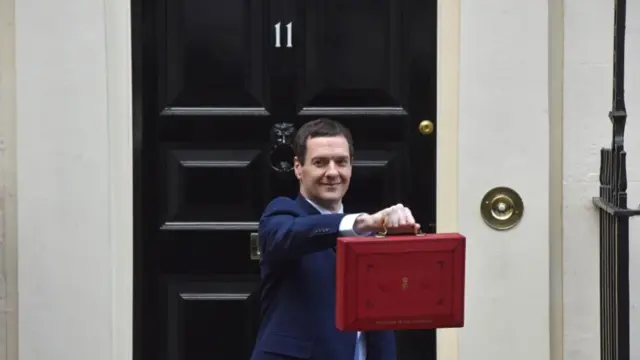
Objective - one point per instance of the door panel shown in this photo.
(213, 95)
(219, 306)
(210, 53)
(351, 53)
(198, 182)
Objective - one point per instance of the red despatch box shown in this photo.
(400, 282)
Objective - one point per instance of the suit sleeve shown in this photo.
(285, 234)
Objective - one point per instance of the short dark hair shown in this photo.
(322, 127)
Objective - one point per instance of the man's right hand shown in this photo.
(395, 219)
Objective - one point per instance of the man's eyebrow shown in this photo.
(319, 157)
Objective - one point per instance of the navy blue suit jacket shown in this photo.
(297, 290)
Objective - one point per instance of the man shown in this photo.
(297, 244)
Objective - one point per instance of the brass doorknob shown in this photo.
(425, 127)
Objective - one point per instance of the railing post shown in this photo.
(614, 215)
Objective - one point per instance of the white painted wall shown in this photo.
(504, 114)
(588, 71)
(8, 238)
(74, 179)
(504, 141)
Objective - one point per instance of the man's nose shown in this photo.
(332, 170)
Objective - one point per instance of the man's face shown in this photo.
(326, 173)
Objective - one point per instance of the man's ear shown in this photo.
(297, 167)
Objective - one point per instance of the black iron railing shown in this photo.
(614, 215)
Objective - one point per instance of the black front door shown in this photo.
(218, 84)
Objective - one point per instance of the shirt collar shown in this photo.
(323, 210)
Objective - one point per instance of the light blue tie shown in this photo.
(361, 349)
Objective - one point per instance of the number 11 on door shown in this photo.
(289, 30)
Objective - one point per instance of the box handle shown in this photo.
(384, 231)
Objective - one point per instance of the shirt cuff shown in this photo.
(346, 225)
